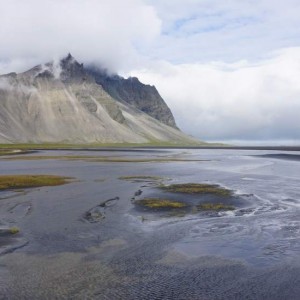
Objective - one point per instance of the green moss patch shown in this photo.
(4, 152)
(29, 181)
(157, 203)
(214, 206)
(14, 230)
(9, 231)
(197, 188)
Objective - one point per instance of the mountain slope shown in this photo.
(62, 102)
(144, 97)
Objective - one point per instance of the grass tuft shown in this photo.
(29, 181)
(14, 230)
(215, 206)
(4, 152)
(197, 188)
(160, 203)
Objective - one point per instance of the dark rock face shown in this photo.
(71, 69)
(144, 97)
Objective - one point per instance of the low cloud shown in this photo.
(5, 85)
(109, 32)
(239, 101)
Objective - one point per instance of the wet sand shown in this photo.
(88, 240)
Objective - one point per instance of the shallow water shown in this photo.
(250, 253)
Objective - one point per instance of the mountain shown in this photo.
(144, 97)
(65, 102)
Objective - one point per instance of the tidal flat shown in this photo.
(151, 224)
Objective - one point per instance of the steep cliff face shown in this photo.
(62, 102)
(144, 97)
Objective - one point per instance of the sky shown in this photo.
(228, 69)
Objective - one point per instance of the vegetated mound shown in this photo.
(185, 198)
(160, 203)
(214, 206)
(8, 182)
(197, 188)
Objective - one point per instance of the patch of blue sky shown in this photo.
(178, 24)
(208, 23)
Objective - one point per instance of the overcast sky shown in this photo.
(229, 70)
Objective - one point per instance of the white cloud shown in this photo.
(106, 31)
(5, 85)
(233, 101)
(204, 30)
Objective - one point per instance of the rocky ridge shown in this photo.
(144, 97)
(65, 102)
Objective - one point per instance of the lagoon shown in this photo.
(89, 239)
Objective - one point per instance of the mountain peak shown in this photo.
(69, 60)
(69, 56)
(71, 68)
